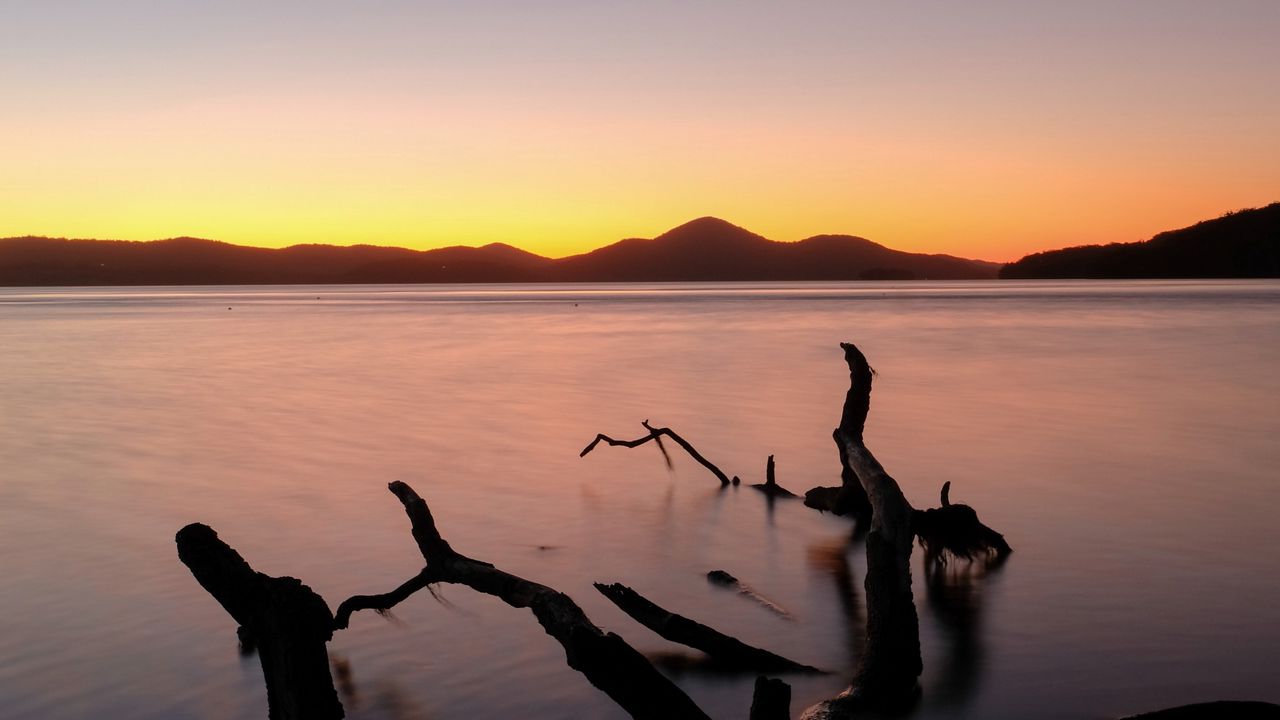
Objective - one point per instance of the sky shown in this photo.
(985, 129)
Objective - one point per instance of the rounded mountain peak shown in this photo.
(708, 229)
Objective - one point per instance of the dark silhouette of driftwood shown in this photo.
(846, 499)
(770, 485)
(656, 434)
(287, 622)
(725, 651)
(606, 660)
(725, 580)
(1217, 710)
(890, 667)
(771, 700)
(955, 531)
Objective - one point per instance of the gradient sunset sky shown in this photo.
(982, 129)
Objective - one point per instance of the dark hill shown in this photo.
(1244, 244)
(704, 249)
(712, 249)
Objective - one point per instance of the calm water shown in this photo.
(1121, 435)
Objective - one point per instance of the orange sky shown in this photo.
(989, 130)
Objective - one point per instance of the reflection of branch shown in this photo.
(656, 434)
(954, 599)
(605, 659)
(833, 560)
(724, 650)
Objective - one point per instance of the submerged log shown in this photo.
(771, 700)
(656, 434)
(606, 660)
(955, 531)
(724, 650)
(287, 622)
(725, 580)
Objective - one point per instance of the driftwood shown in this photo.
(888, 672)
(770, 485)
(656, 434)
(846, 499)
(287, 622)
(725, 651)
(725, 580)
(955, 531)
(606, 660)
(771, 700)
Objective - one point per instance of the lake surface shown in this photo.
(1122, 435)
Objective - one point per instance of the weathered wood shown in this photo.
(726, 651)
(954, 531)
(849, 498)
(656, 434)
(771, 700)
(725, 580)
(287, 622)
(888, 674)
(606, 660)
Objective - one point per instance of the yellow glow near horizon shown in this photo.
(570, 143)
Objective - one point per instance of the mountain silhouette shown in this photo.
(1243, 244)
(706, 249)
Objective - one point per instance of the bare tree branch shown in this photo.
(657, 434)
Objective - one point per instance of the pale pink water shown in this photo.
(1122, 436)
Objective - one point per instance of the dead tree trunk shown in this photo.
(607, 661)
(729, 652)
(890, 667)
(286, 620)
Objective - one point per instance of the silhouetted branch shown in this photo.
(287, 622)
(382, 602)
(606, 660)
(956, 531)
(888, 672)
(725, 580)
(726, 651)
(657, 434)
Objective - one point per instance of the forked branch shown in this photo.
(606, 660)
(656, 434)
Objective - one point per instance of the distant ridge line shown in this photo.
(704, 249)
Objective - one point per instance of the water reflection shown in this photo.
(831, 559)
(386, 699)
(953, 594)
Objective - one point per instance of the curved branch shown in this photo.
(657, 434)
(606, 660)
(382, 602)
